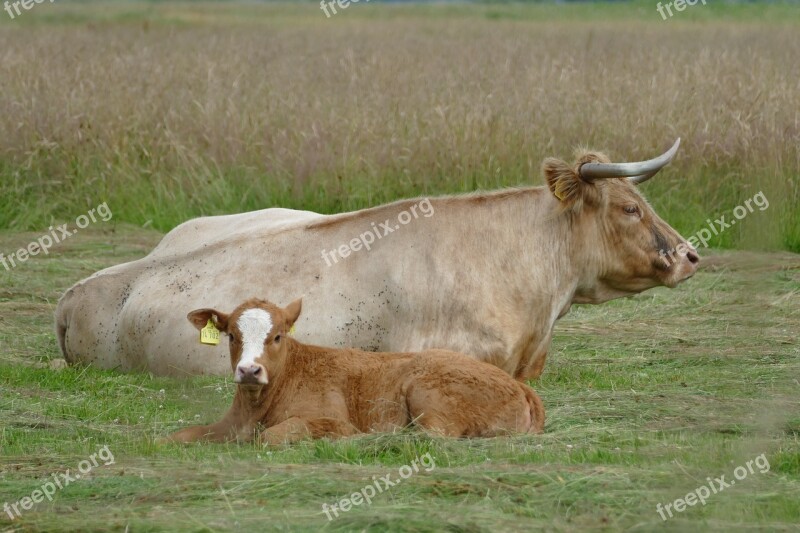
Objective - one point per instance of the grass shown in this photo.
(168, 111)
(646, 397)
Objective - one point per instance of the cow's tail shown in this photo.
(62, 322)
(536, 409)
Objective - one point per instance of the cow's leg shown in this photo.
(531, 371)
(531, 364)
(538, 367)
(296, 428)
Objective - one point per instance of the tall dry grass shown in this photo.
(174, 111)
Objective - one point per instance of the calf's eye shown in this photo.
(631, 209)
(277, 338)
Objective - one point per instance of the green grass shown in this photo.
(646, 397)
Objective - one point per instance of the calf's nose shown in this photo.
(250, 373)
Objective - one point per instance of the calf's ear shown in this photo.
(293, 311)
(200, 317)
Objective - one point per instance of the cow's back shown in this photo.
(205, 231)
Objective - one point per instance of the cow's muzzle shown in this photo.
(682, 265)
(250, 374)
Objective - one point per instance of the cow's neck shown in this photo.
(531, 269)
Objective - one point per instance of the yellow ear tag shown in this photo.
(209, 334)
(291, 330)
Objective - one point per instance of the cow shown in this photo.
(485, 274)
(287, 390)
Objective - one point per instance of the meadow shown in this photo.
(168, 111)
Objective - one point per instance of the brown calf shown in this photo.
(293, 390)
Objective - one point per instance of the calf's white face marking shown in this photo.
(255, 325)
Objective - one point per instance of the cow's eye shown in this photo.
(277, 338)
(631, 209)
(231, 338)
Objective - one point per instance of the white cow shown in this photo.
(484, 274)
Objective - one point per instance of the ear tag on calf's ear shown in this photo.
(209, 334)
(291, 330)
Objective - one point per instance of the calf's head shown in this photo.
(256, 333)
(622, 246)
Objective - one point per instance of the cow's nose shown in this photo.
(693, 257)
(250, 373)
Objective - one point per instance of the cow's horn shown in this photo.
(638, 172)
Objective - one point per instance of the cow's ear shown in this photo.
(565, 181)
(562, 180)
(293, 312)
(200, 317)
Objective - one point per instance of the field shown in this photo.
(167, 111)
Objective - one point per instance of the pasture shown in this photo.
(166, 111)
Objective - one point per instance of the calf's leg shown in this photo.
(222, 431)
(453, 409)
(536, 409)
(296, 428)
(235, 425)
(432, 411)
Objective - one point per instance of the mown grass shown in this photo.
(172, 110)
(646, 398)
